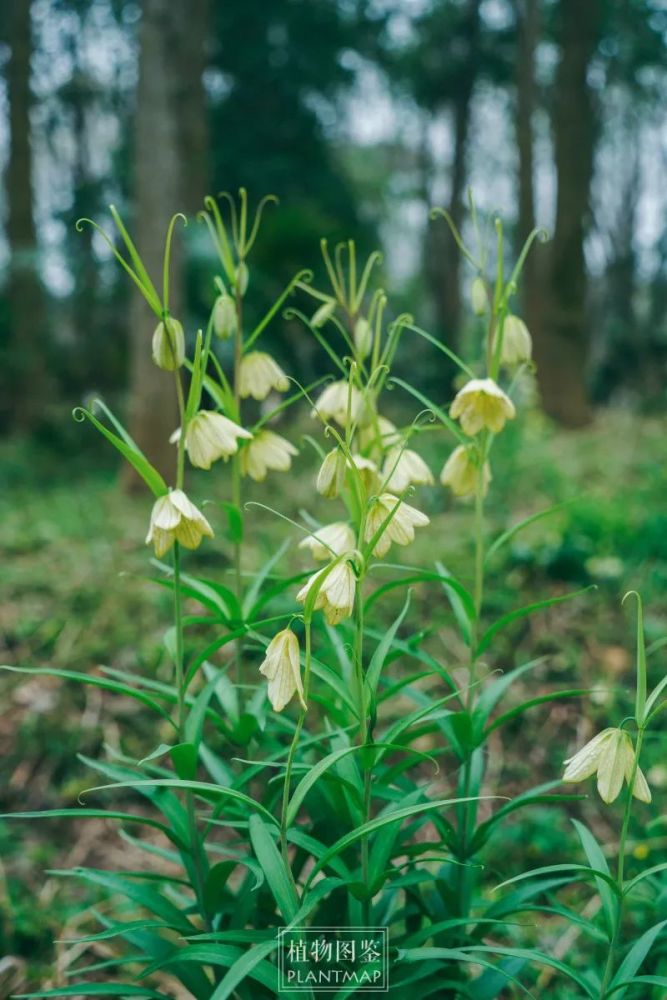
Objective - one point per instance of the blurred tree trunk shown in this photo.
(443, 259)
(528, 27)
(169, 153)
(25, 362)
(561, 347)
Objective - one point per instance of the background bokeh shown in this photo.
(359, 116)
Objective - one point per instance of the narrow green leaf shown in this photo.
(136, 458)
(379, 656)
(634, 958)
(596, 859)
(579, 873)
(376, 824)
(100, 682)
(97, 990)
(641, 707)
(508, 535)
(273, 866)
(513, 616)
(203, 788)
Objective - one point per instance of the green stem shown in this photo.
(178, 625)
(620, 873)
(236, 468)
(199, 861)
(467, 816)
(290, 757)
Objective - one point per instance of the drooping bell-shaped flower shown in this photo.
(401, 527)
(461, 470)
(210, 436)
(282, 668)
(175, 518)
(331, 476)
(481, 403)
(333, 403)
(517, 346)
(336, 592)
(330, 540)
(404, 467)
(266, 452)
(610, 755)
(259, 375)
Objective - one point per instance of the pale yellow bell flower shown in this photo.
(376, 436)
(210, 436)
(282, 669)
(330, 540)
(333, 403)
(517, 346)
(174, 518)
(611, 755)
(461, 470)
(403, 467)
(331, 477)
(259, 375)
(169, 345)
(267, 451)
(336, 594)
(225, 319)
(401, 527)
(368, 471)
(481, 403)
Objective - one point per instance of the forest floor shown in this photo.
(75, 594)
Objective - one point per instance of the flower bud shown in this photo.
(224, 316)
(331, 476)
(169, 345)
(517, 346)
(363, 337)
(323, 314)
(478, 297)
(242, 277)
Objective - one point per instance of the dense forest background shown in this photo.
(359, 116)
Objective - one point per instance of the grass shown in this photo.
(74, 594)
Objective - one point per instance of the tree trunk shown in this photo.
(170, 167)
(562, 347)
(25, 361)
(443, 260)
(528, 27)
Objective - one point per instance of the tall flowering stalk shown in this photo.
(255, 374)
(369, 468)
